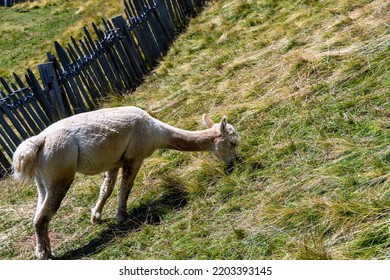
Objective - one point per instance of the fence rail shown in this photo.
(114, 58)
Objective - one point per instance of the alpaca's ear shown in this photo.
(207, 121)
(223, 125)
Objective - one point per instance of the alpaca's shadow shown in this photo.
(149, 213)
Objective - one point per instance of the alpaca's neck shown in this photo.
(184, 140)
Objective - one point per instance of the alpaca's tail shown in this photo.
(25, 158)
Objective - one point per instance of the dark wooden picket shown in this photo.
(77, 77)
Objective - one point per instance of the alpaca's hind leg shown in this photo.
(130, 170)
(43, 215)
(41, 193)
(105, 192)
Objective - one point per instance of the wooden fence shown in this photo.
(113, 58)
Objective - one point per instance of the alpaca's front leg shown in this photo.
(130, 170)
(105, 192)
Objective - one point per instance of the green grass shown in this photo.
(306, 84)
(28, 30)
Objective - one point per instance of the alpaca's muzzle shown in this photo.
(231, 164)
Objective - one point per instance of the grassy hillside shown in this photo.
(306, 84)
(27, 31)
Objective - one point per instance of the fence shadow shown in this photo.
(149, 213)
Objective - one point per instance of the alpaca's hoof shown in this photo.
(95, 218)
(44, 255)
(122, 218)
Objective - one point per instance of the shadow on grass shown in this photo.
(149, 213)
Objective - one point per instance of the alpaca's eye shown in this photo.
(233, 144)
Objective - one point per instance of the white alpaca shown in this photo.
(105, 140)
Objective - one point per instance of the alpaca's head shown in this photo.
(226, 141)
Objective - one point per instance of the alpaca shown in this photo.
(103, 141)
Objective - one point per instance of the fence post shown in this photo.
(52, 89)
(5, 165)
(131, 47)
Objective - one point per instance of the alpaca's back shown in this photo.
(93, 142)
